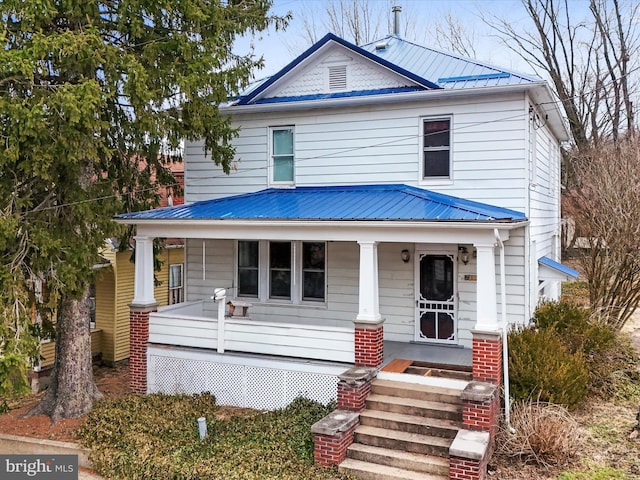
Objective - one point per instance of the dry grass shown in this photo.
(544, 434)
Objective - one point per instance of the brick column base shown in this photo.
(369, 344)
(354, 386)
(487, 356)
(467, 469)
(481, 411)
(469, 456)
(138, 340)
(332, 436)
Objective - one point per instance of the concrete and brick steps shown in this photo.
(405, 432)
(372, 471)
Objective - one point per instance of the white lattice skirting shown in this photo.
(240, 380)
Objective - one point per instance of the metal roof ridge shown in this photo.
(457, 56)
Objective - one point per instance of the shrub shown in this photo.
(540, 366)
(156, 436)
(602, 347)
(543, 433)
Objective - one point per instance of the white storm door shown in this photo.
(436, 297)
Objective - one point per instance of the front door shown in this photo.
(436, 297)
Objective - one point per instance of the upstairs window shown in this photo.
(436, 148)
(282, 155)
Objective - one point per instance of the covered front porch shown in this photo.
(378, 292)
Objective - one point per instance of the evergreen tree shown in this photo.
(94, 98)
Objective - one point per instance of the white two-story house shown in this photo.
(386, 201)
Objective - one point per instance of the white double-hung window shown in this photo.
(436, 148)
(282, 156)
(281, 271)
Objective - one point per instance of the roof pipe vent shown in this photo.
(396, 9)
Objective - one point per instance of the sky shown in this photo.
(279, 48)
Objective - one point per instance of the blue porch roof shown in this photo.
(342, 203)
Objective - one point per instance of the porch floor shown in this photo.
(420, 352)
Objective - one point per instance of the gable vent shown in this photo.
(338, 77)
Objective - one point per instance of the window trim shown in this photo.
(422, 180)
(264, 287)
(271, 162)
(180, 288)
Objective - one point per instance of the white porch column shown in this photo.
(369, 303)
(486, 298)
(143, 294)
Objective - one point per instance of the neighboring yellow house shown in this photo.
(112, 293)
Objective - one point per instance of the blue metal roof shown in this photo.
(549, 262)
(344, 203)
(255, 91)
(448, 70)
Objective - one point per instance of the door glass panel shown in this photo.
(436, 277)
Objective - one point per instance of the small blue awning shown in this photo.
(549, 269)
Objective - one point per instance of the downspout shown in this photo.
(505, 346)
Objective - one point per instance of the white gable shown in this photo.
(337, 69)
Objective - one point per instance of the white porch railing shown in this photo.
(186, 325)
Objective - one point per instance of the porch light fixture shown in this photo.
(405, 256)
(464, 254)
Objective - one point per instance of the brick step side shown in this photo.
(399, 459)
(412, 406)
(410, 423)
(371, 471)
(405, 441)
(419, 392)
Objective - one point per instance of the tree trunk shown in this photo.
(72, 389)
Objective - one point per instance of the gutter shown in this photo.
(378, 99)
(505, 346)
(383, 224)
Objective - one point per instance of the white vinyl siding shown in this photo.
(380, 144)
(396, 281)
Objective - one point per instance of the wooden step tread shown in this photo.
(397, 365)
(374, 471)
(438, 372)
